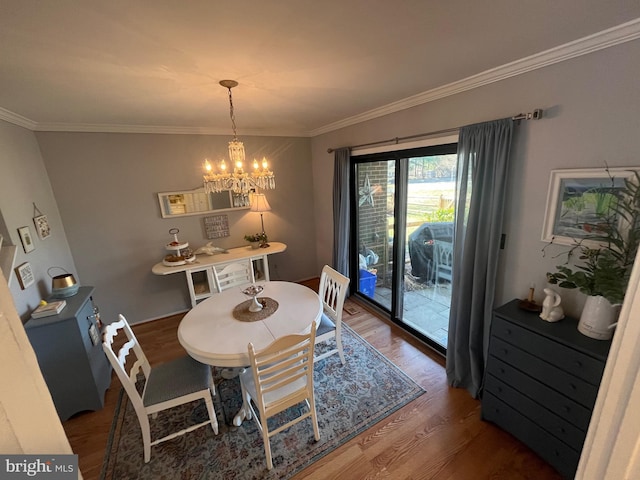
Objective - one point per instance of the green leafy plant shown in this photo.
(258, 237)
(606, 266)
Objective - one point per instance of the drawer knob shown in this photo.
(578, 363)
(573, 387)
(508, 330)
(505, 351)
(566, 409)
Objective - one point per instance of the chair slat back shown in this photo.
(234, 275)
(278, 366)
(116, 332)
(333, 291)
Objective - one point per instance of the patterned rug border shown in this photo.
(326, 448)
(416, 392)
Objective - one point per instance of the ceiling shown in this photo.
(303, 66)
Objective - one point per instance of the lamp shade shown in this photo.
(259, 203)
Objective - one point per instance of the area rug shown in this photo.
(349, 399)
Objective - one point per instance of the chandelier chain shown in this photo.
(232, 115)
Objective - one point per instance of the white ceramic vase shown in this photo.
(597, 317)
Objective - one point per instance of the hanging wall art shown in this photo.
(41, 223)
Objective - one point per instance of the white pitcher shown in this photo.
(598, 317)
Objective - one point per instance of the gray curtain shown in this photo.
(341, 210)
(482, 176)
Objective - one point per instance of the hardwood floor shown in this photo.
(439, 435)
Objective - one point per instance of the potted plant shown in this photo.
(607, 259)
(256, 240)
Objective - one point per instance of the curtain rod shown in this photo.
(535, 115)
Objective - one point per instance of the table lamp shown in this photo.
(260, 205)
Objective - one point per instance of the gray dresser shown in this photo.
(76, 370)
(541, 383)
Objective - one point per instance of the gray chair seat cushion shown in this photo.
(176, 378)
(326, 325)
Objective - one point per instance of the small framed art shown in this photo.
(25, 275)
(42, 226)
(216, 226)
(26, 239)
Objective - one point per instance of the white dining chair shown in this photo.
(333, 291)
(166, 385)
(234, 275)
(280, 377)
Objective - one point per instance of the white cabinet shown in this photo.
(199, 274)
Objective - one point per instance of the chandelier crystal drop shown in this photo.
(238, 181)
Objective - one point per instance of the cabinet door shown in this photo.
(201, 284)
(98, 362)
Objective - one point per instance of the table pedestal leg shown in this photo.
(231, 372)
(244, 413)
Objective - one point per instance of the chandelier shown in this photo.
(239, 181)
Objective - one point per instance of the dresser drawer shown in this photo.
(558, 454)
(540, 393)
(552, 423)
(573, 387)
(583, 366)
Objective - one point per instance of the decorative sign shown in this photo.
(25, 238)
(216, 226)
(25, 275)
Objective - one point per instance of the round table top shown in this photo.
(210, 333)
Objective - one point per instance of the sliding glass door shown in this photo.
(403, 209)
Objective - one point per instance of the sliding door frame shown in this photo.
(401, 175)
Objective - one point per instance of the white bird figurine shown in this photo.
(209, 249)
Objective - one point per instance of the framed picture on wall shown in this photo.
(25, 275)
(578, 199)
(26, 239)
(42, 226)
(216, 226)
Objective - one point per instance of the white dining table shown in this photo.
(211, 334)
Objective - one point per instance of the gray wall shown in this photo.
(591, 108)
(23, 182)
(106, 186)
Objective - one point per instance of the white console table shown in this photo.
(199, 274)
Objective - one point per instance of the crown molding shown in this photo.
(155, 129)
(623, 33)
(617, 35)
(16, 119)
